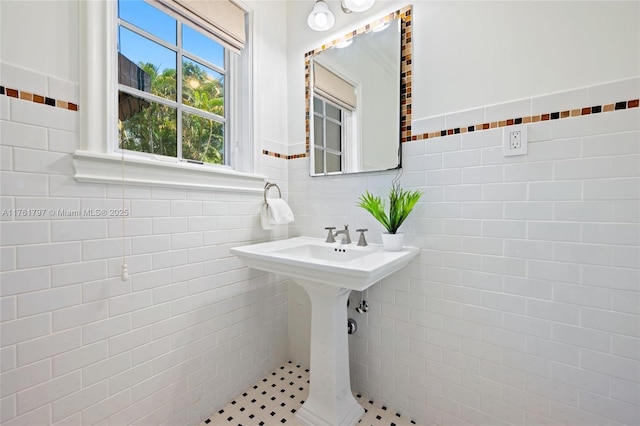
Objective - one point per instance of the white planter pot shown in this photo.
(392, 242)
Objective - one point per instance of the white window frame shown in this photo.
(348, 157)
(98, 161)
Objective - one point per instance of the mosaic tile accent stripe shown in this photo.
(558, 115)
(404, 15)
(31, 97)
(531, 119)
(284, 156)
(406, 74)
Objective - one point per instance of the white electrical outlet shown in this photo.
(514, 140)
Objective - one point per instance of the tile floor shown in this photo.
(275, 399)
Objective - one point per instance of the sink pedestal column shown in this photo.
(330, 400)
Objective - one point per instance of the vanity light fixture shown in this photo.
(344, 43)
(320, 18)
(381, 27)
(349, 6)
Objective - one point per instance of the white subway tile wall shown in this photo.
(190, 329)
(523, 307)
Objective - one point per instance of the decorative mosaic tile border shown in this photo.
(406, 50)
(531, 119)
(634, 103)
(283, 156)
(406, 135)
(28, 96)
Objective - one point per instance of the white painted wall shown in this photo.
(470, 54)
(270, 74)
(56, 23)
(523, 306)
(192, 327)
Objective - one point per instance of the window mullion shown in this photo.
(324, 125)
(229, 136)
(334, 121)
(342, 139)
(179, 90)
(204, 62)
(146, 34)
(324, 137)
(203, 113)
(146, 95)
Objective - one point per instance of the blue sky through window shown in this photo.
(148, 18)
(139, 49)
(202, 46)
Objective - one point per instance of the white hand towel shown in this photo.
(279, 211)
(264, 218)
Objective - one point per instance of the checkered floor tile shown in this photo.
(275, 399)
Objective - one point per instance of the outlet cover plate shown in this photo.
(514, 136)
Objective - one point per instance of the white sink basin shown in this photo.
(332, 253)
(328, 273)
(335, 264)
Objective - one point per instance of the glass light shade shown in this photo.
(356, 5)
(381, 27)
(344, 43)
(320, 18)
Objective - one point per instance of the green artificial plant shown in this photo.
(401, 202)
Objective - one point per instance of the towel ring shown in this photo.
(268, 186)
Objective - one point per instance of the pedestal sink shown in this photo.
(328, 273)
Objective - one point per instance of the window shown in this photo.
(328, 135)
(171, 82)
(172, 97)
(334, 121)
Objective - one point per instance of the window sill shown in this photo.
(96, 167)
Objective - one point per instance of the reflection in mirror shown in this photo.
(357, 102)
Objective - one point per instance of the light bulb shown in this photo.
(321, 19)
(344, 43)
(381, 27)
(349, 6)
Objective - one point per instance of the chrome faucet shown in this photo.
(330, 238)
(362, 241)
(346, 239)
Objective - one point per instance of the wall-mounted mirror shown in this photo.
(356, 94)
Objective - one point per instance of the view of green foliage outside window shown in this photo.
(151, 117)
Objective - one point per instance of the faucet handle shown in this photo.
(362, 241)
(330, 238)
